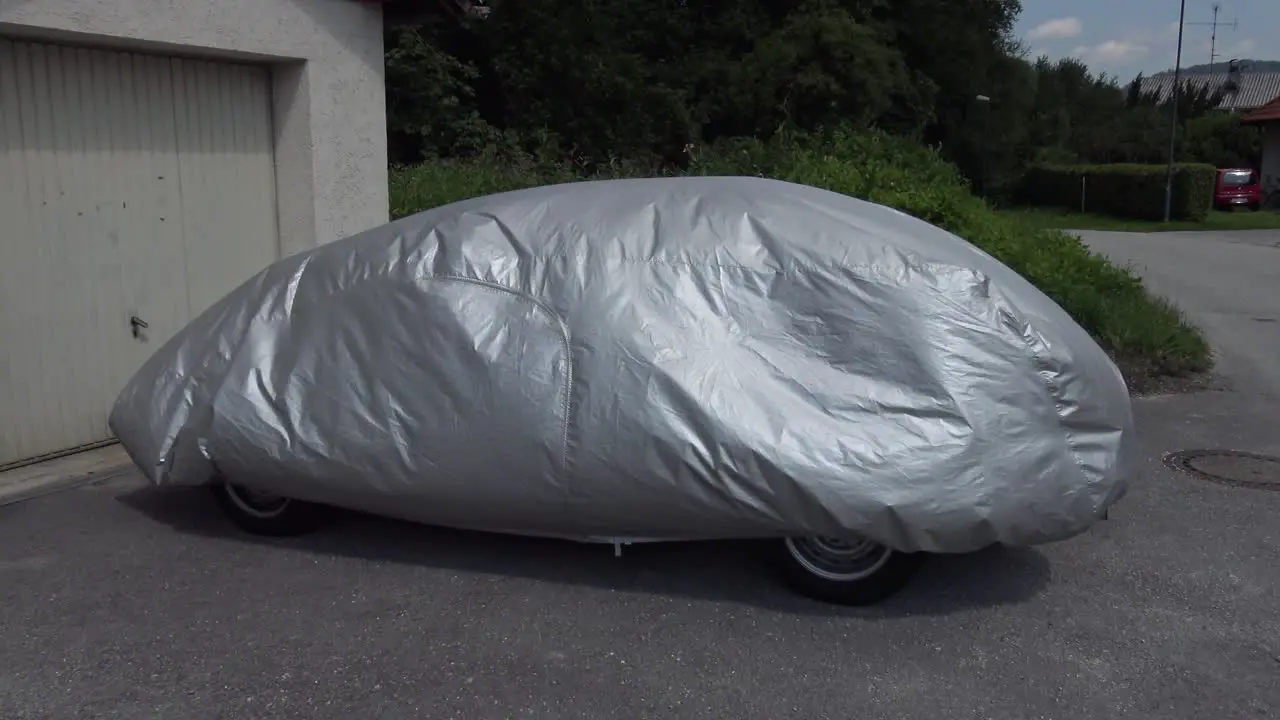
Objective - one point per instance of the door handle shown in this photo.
(137, 325)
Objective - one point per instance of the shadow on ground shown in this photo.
(716, 571)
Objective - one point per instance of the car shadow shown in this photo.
(720, 571)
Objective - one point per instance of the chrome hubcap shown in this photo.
(838, 559)
(255, 502)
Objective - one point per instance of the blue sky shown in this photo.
(1123, 37)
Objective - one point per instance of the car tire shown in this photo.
(264, 514)
(842, 572)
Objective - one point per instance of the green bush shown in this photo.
(1127, 191)
(1147, 336)
(420, 187)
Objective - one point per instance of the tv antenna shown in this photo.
(1213, 38)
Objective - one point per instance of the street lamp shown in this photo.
(1173, 122)
(986, 122)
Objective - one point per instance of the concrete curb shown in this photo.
(65, 473)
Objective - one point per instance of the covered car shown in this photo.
(650, 359)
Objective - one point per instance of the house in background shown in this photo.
(153, 156)
(1242, 90)
(1268, 117)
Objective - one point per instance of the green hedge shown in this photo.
(1127, 191)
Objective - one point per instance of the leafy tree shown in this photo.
(646, 82)
(431, 107)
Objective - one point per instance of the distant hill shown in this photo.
(1221, 66)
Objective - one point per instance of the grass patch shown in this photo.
(1218, 220)
(1148, 337)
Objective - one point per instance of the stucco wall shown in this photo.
(327, 82)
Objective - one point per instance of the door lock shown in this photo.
(137, 325)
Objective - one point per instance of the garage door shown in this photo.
(135, 190)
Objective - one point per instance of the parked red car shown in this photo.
(1237, 187)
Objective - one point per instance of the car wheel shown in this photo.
(266, 514)
(845, 571)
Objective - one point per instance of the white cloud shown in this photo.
(1058, 29)
(1153, 48)
(1111, 52)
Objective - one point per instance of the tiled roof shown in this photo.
(1256, 89)
(1266, 113)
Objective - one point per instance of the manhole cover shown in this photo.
(1229, 467)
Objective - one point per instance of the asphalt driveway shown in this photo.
(1229, 283)
(120, 601)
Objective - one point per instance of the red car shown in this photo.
(1237, 187)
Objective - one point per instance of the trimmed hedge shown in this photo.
(1127, 191)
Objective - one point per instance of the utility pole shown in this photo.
(1213, 38)
(1173, 124)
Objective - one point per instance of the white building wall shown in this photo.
(328, 98)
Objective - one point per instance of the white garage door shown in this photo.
(131, 187)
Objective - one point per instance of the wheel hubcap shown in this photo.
(255, 502)
(838, 559)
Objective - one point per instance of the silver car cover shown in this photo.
(674, 358)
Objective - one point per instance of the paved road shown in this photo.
(1228, 282)
(118, 601)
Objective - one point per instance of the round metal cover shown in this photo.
(1229, 467)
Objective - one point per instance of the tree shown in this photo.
(639, 81)
(431, 99)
